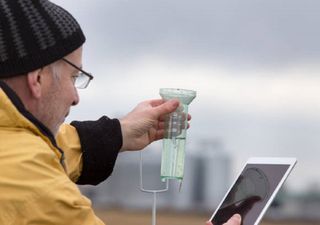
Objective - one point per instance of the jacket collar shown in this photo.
(16, 101)
(14, 114)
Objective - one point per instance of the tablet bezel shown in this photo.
(290, 161)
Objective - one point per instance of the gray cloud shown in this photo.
(269, 32)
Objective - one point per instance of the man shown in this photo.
(43, 159)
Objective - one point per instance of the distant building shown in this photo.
(216, 171)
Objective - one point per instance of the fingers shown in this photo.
(161, 125)
(234, 220)
(166, 107)
(156, 102)
(159, 135)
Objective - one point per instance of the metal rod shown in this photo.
(154, 207)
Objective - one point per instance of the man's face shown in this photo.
(59, 92)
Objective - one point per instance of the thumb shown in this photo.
(235, 219)
(167, 107)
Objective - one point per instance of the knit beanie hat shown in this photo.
(33, 34)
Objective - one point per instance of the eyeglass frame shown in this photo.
(82, 73)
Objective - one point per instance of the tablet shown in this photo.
(254, 189)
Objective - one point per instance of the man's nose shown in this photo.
(76, 99)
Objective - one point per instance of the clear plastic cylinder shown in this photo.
(176, 123)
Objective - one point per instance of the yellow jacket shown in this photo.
(37, 183)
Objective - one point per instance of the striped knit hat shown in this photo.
(33, 34)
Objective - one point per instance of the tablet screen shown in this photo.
(251, 192)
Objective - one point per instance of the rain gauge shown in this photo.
(174, 142)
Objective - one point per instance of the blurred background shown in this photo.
(255, 67)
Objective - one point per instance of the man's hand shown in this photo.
(234, 220)
(144, 124)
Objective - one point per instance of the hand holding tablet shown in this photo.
(253, 191)
(234, 220)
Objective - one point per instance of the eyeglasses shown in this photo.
(82, 79)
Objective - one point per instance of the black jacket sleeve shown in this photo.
(100, 141)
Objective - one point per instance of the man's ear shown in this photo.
(34, 79)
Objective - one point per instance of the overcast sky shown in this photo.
(254, 64)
